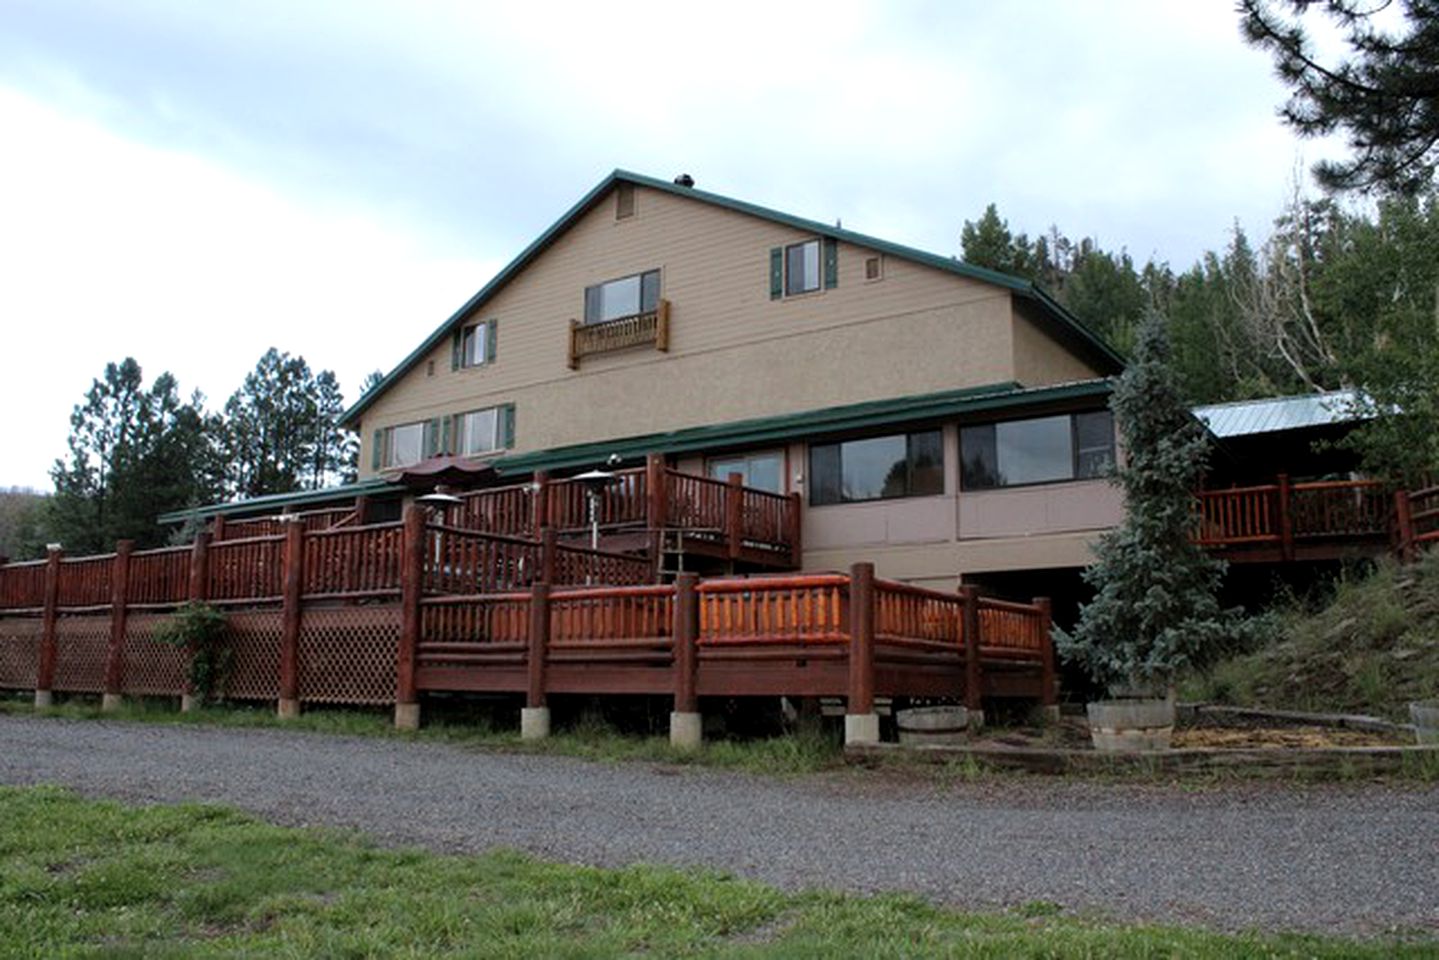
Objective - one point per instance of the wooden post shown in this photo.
(294, 581)
(734, 514)
(115, 655)
(973, 679)
(217, 528)
(657, 494)
(200, 567)
(539, 645)
(535, 717)
(45, 674)
(796, 530)
(686, 724)
(412, 585)
(686, 635)
(1286, 522)
(861, 639)
(540, 517)
(549, 554)
(362, 509)
(1049, 694)
(1404, 526)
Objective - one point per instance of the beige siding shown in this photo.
(1039, 358)
(734, 352)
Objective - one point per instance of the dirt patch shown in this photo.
(1072, 733)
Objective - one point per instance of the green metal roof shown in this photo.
(805, 424)
(280, 501)
(809, 423)
(1067, 328)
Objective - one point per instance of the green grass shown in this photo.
(589, 739)
(95, 878)
(1369, 646)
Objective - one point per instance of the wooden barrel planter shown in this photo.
(1126, 726)
(932, 725)
(1425, 714)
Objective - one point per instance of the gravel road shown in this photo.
(1352, 859)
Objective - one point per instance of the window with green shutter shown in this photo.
(478, 432)
(803, 267)
(474, 345)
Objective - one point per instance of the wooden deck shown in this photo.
(647, 510)
(385, 612)
(1325, 520)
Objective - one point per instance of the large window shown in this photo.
(877, 468)
(477, 432)
(763, 471)
(625, 297)
(1076, 446)
(403, 445)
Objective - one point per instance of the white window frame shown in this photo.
(475, 345)
(602, 315)
(463, 432)
(809, 259)
(390, 460)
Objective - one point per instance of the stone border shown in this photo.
(1254, 761)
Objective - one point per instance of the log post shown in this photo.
(217, 527)
(1049, 693)
(362, 509)
(1403, 526)
(973, 678)
(734, 514)
(861, 723)
(1286, 520)
(294, 581)
(412, 583)
(115, 655)
(45, 672)
(686, 725)
(535, 717)
(540, 504)
(656, 510)
(796, 530)
(549, 554)
(198, 593)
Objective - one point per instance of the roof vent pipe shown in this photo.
(684, 180)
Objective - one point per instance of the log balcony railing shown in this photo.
(1316, 520)
(717, 517)
(378, 613)
(638, 330)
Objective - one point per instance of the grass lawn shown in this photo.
(97, 878)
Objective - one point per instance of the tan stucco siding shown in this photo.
(735, 353)
(1039, 358)
(940, 565)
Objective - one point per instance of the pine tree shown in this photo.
(1155, 610)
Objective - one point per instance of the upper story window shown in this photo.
(877, 468)
(474, 345)
(625, 297)
(484, 431)
(1077, 446)
(400, 446)
(803, 267)
(762, 471)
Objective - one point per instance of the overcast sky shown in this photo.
(192, 183)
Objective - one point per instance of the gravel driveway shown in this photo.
(1353, 859)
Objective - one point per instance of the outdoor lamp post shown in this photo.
(595, 482)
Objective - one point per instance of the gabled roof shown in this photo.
(1066, 327)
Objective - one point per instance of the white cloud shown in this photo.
(112, 249)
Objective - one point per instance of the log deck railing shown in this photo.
(1285, 520)
(382, 612)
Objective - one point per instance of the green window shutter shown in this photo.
(776, 273)
(432, 437)
(446, 424)
(377, 450)
(455, 344)
(492, 336)
(831, 263)
(507, 426)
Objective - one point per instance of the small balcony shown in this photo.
(621, 333)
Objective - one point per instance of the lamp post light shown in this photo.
(595, 482)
